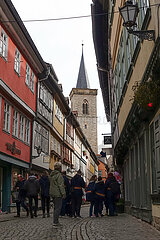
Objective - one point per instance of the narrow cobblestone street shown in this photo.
(120, 227)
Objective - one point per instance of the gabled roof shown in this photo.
(82, 81)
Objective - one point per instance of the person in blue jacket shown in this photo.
(99, 191)
(90, 196)
(77, 184)
(44, 187)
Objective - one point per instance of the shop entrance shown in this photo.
(1, 184)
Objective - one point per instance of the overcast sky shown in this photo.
(60, 43)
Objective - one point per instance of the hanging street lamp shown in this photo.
(129, 13)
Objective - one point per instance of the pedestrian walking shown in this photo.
(112, 188)
(44, 190)
(21, 200)
(99, 191)
(32, 189)
(66, 200)
(90, 195)
(77, 184)
(57, 191)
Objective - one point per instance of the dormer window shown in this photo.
(85, 107)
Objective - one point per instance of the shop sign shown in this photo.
(13, 149)
(107, 140)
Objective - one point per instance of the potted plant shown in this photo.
(147, 94)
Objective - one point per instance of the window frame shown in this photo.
(32, 81)
(27, 131)
(21, 127)
(15, 127)
(4, 52)
(58, 113)
(17, 63)
(28, 75)
(85, 107)
(7, 114)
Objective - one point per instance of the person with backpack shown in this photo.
(32, 188)
(90, 196)
(112, 189)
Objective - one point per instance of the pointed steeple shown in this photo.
(82, 81)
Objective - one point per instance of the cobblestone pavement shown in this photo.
(120, 227)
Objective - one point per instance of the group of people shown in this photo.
(30, 189)
(66, 194)
(100, 193)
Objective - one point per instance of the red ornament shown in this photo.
(150, 104)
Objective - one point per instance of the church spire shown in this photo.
(82, 81)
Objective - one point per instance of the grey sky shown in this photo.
(59, 43)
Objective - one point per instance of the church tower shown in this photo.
(84, 105)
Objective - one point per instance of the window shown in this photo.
(15, 123)
(144, 6)
(58, 113)
(85, 126)
(27, 131)
(32, 81)
(4, 44)
(28, 70)
(22, 128)
(85, 107)
(41, 138)
(7, 117)
(58, 148)
(17, 63)
(100, 173)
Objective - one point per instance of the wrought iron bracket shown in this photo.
(144, 34)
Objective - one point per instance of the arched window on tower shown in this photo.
(85, 107)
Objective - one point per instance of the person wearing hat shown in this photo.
(77, 183)
(21, 195)
(57, 191)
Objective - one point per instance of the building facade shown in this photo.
(132, 66)
(20, 64)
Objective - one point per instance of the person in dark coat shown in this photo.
(32, 188)
(99, 191)
(44, 189)
(77, 183)
(112, 189)
(21, 195)
(66, 200)
(90, 195)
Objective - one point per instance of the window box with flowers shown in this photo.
(147, 94)
(84, 153)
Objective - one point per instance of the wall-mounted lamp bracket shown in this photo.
(143, 34)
